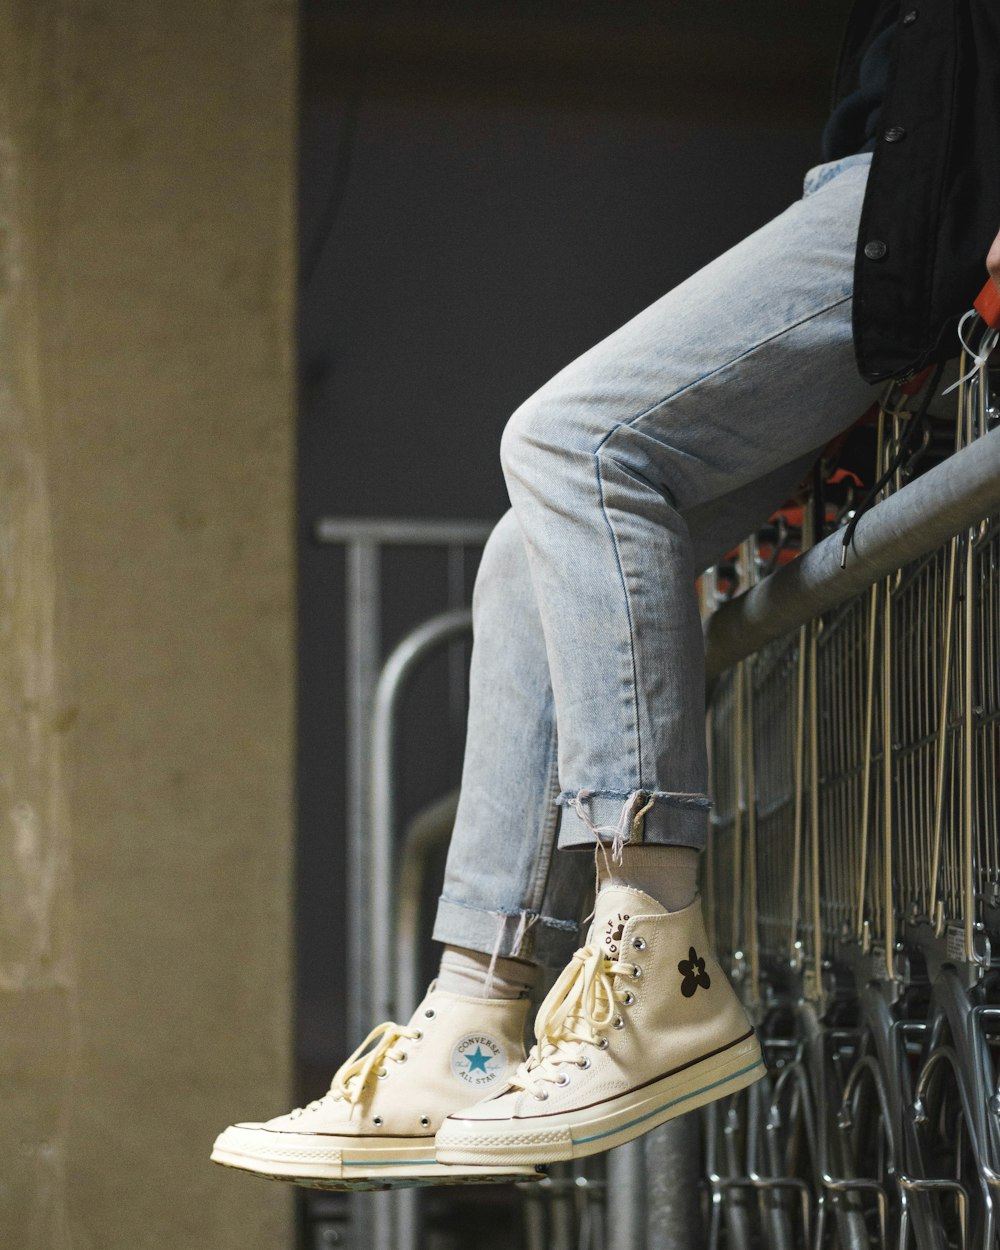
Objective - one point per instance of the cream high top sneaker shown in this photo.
(375, 1127)
(641, 1026)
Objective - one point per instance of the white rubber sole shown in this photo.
(562, 1136)
(343, 1163)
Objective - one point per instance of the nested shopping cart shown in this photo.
(854, 882)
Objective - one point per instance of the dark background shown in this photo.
(487, 190)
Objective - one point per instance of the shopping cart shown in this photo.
(856, 768)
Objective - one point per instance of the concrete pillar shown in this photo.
(146, 616)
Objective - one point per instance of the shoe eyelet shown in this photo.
(542, 1096)
(377, 1121)
(584, 1062)
(563, 1078)
(401, 1057)
(381, 1074)
(430, 1013)
(617, 1023)
(636, 971)
(603, 1044)
(629, 998)
(639, 944)
(424, 1121)
(419, 1036)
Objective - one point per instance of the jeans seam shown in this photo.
(631, 625)
(550, 818)
(717, 370)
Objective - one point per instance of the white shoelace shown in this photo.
(582, 1003)
(352, 1077)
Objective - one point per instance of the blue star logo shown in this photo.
(478, 1061)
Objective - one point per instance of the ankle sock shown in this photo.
(468, 972)
(667, 873)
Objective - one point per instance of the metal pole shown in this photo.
(626, 1224)
(363, 653)
(916, 520)
(396, 1221)
(398, 669)
(429, 830)
(673, 1176)
(368, 1213)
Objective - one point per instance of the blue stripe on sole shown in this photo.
(758, 1063)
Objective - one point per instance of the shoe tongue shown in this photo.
(614, 907)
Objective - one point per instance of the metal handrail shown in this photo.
(925, 514)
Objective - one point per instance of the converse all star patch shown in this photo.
(478, 1061)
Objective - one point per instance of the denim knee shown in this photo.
(547, 455)
(533, 443)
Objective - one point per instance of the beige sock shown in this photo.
(468, 972)
(667, 873)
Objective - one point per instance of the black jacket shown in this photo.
(932, 206)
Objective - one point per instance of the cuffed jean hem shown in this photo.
(509, 933)
(619, 817)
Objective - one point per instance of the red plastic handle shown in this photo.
(987, 304)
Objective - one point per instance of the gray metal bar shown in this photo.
(398, 668)
(389, 531)
(673, 1174)
(917, 519)
(396, 1220)
(429, 830)
(363, 628)
(396, 1215)
(363, 652)
(626, 1197)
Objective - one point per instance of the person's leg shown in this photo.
(743, 368)
(505, 895)
(685, 417)
(501, 894)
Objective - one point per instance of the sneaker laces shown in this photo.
(581, 1004)
(353, 1075)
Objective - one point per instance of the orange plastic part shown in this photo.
(987, 304)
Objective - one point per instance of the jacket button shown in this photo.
(910, 18)
(875, 249)
(894, 134)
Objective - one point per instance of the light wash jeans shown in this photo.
(636, 467)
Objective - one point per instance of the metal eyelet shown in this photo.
(629, 998)
(636, 971)
(617, 1023)
(401, 1057)
(542, 1096)
(430, 1013)
(381, 1074)
(603, 1044)
(424, 1121)
(584, 1063)
(377, 1121)
(563, 1078)
(639, 944)
(419, 1035)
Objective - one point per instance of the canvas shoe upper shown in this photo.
(641, 1026)
(375, 1126)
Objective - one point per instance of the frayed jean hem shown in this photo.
(618, 818)
(510, 933)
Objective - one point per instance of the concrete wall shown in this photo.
(146, 615)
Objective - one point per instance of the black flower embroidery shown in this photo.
(693, 971)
